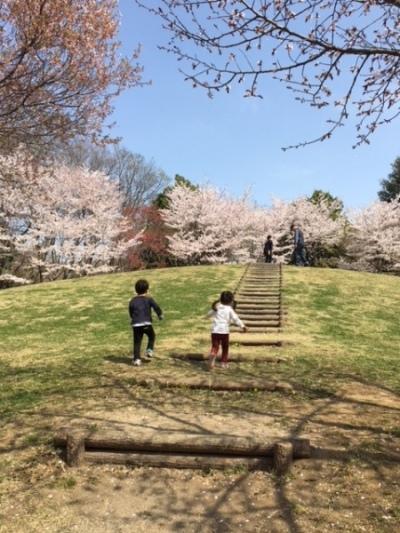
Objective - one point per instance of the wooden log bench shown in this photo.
(180, 450)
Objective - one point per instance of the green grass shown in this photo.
(346, 323)
(58, 340)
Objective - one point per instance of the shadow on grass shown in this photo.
(119, 359)
(124, 360)
(299, 423)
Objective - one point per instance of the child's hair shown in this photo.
(226, 298)
(269, 237)
(141, 286)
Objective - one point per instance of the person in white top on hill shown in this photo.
(223, 314)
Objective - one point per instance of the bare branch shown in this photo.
(307, 44)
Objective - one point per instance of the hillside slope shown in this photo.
(58, 338)
(65, 350)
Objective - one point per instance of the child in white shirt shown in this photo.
(223, 315)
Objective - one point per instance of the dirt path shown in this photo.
(351, 483)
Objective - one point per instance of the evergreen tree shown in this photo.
(391, 185)
(162, 199)
(331, 201)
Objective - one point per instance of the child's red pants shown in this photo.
(223, 340)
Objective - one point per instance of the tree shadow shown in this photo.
(221, 512)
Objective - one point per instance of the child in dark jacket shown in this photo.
(141, 320)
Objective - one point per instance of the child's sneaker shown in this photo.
(149, 354)
(224, 365)
(137, 362)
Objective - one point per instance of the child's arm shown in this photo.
(130, 308)
(236, 320)
(156, 308)
(213, 309)
(214, 305)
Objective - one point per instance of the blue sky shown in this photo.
(234, 142)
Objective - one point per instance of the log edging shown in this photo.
(210, 384)
(180, 450)
(234, 358)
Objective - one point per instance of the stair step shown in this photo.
(267, 316)
(261, 278)
(258, 308)
(250, 342)
(261, 323)
(276, 316)
(253, 288)
(274, 281)
(251, 297)
(259, 312)
(260, 301)
(257, 293)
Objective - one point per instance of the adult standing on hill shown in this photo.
(268, 247)
(299, 252)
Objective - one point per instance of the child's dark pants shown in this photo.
(138, 333)
(223, 340)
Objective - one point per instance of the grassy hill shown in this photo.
(65, 349)
(58, 338)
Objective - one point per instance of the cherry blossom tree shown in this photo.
(375, 237)
(8, 280)
(305, 44)
(208, 226)
(318, 221)
(17, 184)
(5, 246)
(59, 69)
(64, 221)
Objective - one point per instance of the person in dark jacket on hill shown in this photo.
(268, 247)
(141, 320)
(299, 252)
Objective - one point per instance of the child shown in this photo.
(140, 312)
(223, 315)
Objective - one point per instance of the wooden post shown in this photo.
(75, 448)
(283, 457)
(301, 448)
